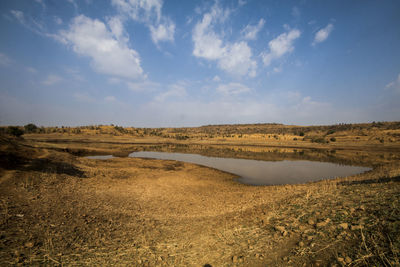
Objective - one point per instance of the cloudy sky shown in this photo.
(161, 63)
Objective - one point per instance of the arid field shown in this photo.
(58, 207)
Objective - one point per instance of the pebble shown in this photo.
(356, 227)
(234, 259)
(280, 229)
(344, 225)
(29, 244)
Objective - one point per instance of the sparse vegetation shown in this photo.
(15, 131)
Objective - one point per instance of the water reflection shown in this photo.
(258, 172)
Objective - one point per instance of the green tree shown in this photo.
(30, 128)
(15, 131)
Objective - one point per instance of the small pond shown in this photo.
(259, 172)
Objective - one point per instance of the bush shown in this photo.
(15, 131)
(318, 140)
(30, 128)
(333, 139)
(301, 133)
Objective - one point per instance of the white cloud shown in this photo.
(117, 29)
(237, 60)
(280, 46)
(52, 79)
(277, 69)
(163, 32)
(177, 90)
(83, 97)
(148, 12)
(110, 98)
(145, 86)
(19, 15)
(31, 70)
(216, 78)
(58, 20)
(234, 58)
(323, 34)
(4, 60)
(41, 3)
(109, 52)
(242, 2)
(140, 10)
(296, 12)
(250, 31)
(394, 85)
(232, 89)
(72, 2)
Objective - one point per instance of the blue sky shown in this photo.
(165, 63)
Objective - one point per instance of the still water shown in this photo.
(258, 172)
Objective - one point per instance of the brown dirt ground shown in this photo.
(59, 209)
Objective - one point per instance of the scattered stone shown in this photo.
(340, 259)
(301, 244)
(311, 222)
(348, 260)
(344, 225)
(29, 244)
(234, 259)
(356, 227)
(321, 224)
(280, 229)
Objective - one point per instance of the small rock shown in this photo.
(280, 229)
(20, 215)
(139, 261)
(321, 224)
(29, 244)
(352, 210)
(356, 227)
(234, 259)
(310, 237)
(340, 259)
(344, 225)
(311, 222)
(301, 244)
(348, 260)
(160, 258)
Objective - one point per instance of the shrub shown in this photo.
(30, 128)
(301, 133)
(318, 140)
(333, 139)
(15, 131)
